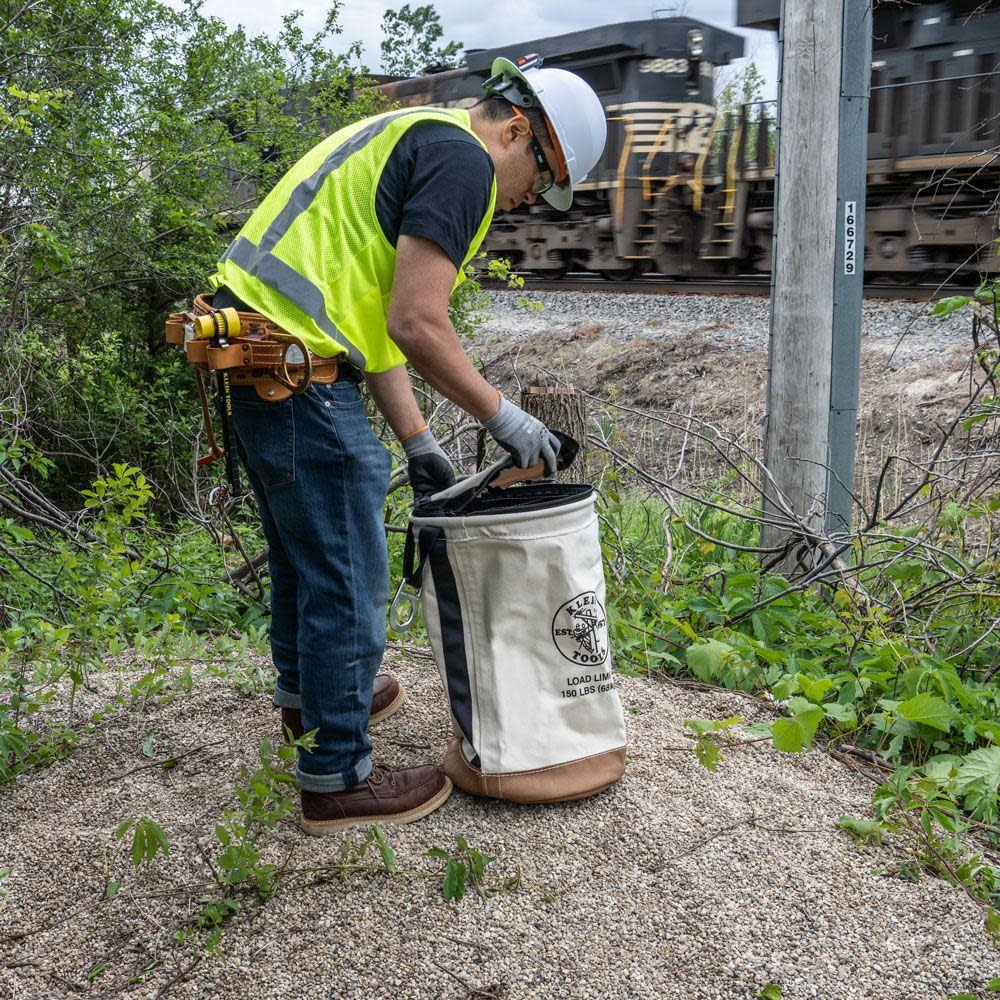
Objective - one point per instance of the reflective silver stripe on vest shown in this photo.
(260, 261)
(305, 191)
(300, 291)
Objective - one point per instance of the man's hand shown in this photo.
(526, 438)
(429, 467)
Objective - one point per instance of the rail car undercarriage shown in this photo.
(937, 222)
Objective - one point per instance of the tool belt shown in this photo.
(276, 363)
(228, 347)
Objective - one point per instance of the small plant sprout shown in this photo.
(4, 875)
(464, 868)
(711, 735)
(148, 839)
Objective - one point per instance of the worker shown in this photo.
(356, 252)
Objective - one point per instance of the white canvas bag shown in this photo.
(514, 604)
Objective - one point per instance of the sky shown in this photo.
(479, 25)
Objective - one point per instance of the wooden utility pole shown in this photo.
(818, 259)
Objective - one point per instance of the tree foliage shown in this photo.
(410, 42)
(744, 85)
(133, 139)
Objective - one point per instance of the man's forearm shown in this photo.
(418, 322)
(435, 352)
(393, 395)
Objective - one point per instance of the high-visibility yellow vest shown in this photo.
(313, 257)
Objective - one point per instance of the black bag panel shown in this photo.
(522, 499)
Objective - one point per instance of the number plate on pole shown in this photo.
(850, 237)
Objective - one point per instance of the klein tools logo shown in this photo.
(580, 630)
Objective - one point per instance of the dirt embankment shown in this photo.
(708, 372)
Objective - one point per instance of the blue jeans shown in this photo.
(321, 475)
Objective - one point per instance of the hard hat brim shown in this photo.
(560, 198)
(508, 68)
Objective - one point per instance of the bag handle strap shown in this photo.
(415, 552)
(504, 473)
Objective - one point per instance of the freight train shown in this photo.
(687, 191)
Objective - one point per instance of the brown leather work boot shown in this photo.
(383, 797)
(387, 696)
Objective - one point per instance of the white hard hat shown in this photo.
(574, 111)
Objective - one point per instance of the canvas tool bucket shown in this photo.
(513, 600)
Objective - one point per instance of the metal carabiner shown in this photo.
(403, 610)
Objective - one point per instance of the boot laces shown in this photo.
(379, 774)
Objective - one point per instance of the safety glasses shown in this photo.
(546, 178)
(546, 175)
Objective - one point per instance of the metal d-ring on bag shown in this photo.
(512, 589)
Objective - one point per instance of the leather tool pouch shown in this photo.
(264, 355)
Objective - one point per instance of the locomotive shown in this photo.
(656, 81)
(687, 192)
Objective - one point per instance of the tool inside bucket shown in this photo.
(479, 495)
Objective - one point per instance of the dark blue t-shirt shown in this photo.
(436, 184)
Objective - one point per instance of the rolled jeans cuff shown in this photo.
(286, 699)
(334, 782)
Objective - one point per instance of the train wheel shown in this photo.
(552, 273)
(619, 273)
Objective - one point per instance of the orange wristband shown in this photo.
(419, 430)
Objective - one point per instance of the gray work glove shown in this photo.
(524, 437)
(429, 467)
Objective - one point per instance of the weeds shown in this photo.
(30, 738)
(882, 646)
(841, 674)
(465, 868)
(993, 986)
(711, 737)
(470, 306)
(109, 581)
(917, 807)
(148, 839)
(265, 798)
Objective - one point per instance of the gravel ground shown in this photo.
(737, 321)
(676, 883)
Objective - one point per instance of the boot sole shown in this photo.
(329, 827)
(392, 708)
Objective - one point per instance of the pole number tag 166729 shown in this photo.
(850, 237)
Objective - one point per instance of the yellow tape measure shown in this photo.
(224, 322)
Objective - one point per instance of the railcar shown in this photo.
(656, 81)
(933, 143)
(687, 192)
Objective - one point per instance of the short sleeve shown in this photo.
(448, 195)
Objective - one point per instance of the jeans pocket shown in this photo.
(341, 395)
(267, 433)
